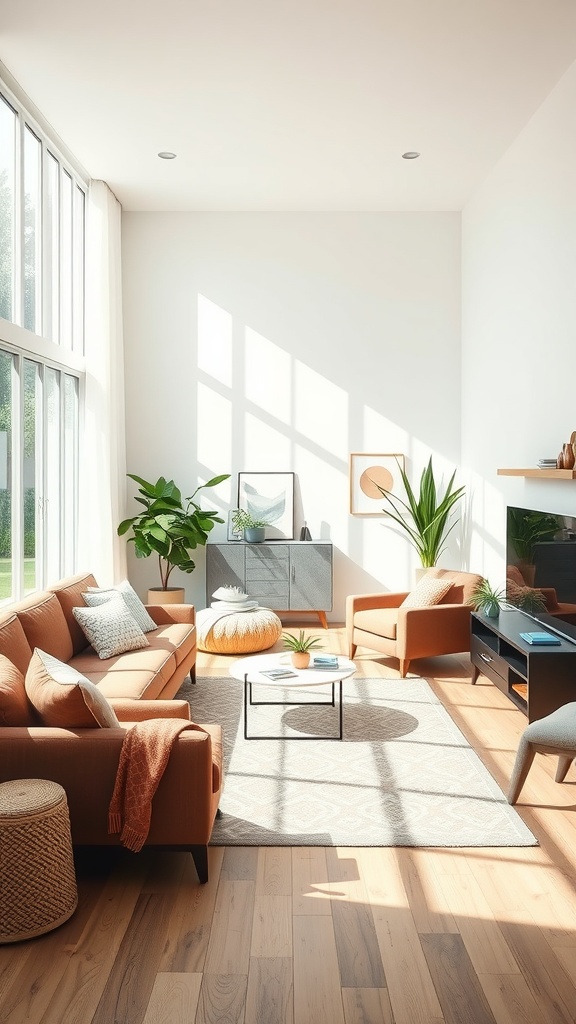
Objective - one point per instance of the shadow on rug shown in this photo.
(403, 775)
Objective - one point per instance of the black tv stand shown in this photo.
(537, 679)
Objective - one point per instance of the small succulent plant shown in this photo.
(300, 643)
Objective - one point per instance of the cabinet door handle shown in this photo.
(486, 658)
(293, 573)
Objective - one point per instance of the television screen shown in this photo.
(541, 563)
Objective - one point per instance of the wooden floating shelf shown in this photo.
(541, 474)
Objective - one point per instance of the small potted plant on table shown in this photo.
(300, 647)
(253, 529)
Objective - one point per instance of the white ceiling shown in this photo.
(288, 104)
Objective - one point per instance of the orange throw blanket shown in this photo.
(145, 753)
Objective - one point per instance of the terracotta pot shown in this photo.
(174, 595)
(300, 659)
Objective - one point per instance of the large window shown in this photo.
(42, 206)
(42, 233)
(38, 474)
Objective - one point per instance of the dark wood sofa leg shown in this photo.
(200, 857)
(193, 673)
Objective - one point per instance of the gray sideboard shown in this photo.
(282, 575)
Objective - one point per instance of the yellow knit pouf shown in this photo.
(37, 880)
(238, 632)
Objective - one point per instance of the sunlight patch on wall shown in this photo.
(214, 432)
(265, 448)
(267, 375)
(381, 434)
(486, 529)
(321, 410)
(324, 494)
(214, 341)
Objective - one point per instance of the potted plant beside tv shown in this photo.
(424, 516)
(170, 527)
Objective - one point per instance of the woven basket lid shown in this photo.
(22, 797)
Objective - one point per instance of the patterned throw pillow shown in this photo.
(63, 697)
(95, 596)
(110, 628)
(427, 593)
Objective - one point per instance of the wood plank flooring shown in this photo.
(325, 935)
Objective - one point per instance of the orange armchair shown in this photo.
(378, 621)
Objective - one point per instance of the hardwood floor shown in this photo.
(325, 935)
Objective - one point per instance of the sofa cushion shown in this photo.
(427, 592)
(15, 708)
(110, 628)
(13, 642)
(179, 638)
(381, 621)
(95, 596)
(69, 594)
(45, 626)
(63, 697)
(136, 674)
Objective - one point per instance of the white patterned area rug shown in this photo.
(403, 775)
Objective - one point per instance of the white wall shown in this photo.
(519, 324)
(272, 342)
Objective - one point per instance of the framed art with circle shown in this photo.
(367, 471)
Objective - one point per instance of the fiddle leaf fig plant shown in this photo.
(169, 526)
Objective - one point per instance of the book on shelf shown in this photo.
(279, 673)
(540, 638)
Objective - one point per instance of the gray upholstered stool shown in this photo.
(37, 880)
(555, 734)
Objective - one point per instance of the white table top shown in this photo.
(254, 665)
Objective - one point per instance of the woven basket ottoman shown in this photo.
(238, 632)
(37, 880)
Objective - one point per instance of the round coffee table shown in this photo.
(251, 671)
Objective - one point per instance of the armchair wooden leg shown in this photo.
(352, 651)
(404, 667)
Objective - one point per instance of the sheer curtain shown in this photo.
(103, 465)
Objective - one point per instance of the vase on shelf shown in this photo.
(567, 456)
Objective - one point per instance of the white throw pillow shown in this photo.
(110, 628)
(98, 595)
(427, 593)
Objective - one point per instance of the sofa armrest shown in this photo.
(362, 602)
(439, 629)
(85, 761)
(128, 710)
(165, 614)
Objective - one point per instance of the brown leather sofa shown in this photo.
(138, 686)
(378, 622)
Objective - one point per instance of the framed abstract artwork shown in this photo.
(269, 497)
(369, 470)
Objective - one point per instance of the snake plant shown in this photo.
(424, 516)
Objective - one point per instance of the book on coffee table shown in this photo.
(279, 673)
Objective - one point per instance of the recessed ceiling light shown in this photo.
(165, 155)
(410, 155)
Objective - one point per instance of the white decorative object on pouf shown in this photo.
(246, 630)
